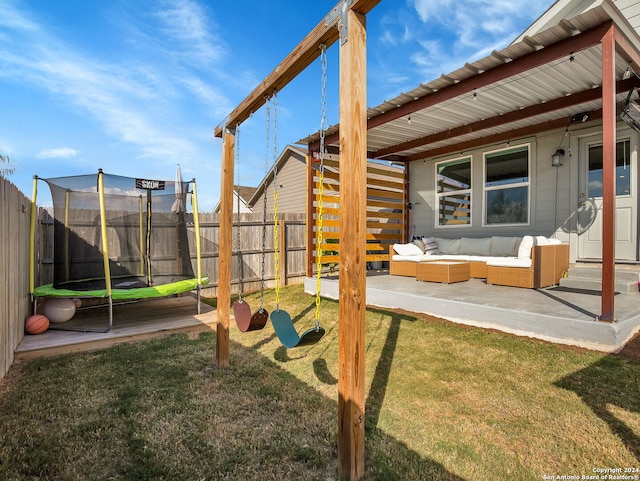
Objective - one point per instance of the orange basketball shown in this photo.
(36, 324)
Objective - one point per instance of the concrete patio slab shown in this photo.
(555, 314)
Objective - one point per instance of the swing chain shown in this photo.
(276, 225)
(264, 203)
(238, 228)
(319, 227)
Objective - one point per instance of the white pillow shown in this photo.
(407, 249)
(524, 251)
(540, 240)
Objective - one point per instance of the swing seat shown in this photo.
(247, 322)
(287, 334)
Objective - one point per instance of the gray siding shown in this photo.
(548, 201)
(291, 187)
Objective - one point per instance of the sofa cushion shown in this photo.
(509, 262)
(399, 258)
(475, 247)
(540, 240)
(504, 246)
(409, 249)
(417, 241)
(430, 245)
(450, 257)
(448, 246)
(524, 251)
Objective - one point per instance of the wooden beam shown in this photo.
(626, 49)
(508, 118)
(299, 59)
(225, 254)
(352, 284)
(608, 174)
(510, 135)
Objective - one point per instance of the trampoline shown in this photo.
(120, 239)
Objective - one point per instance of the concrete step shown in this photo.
(590, 278)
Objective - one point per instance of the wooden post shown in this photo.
(407, 217)
(225, 249)
(353, 228)
(608, 174)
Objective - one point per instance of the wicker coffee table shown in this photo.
(443, 271)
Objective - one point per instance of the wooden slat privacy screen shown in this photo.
(386, 211)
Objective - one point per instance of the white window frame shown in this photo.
(486, 189)
(438, 195)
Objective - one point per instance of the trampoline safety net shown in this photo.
(146, 232)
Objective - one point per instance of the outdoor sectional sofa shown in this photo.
(528, 261)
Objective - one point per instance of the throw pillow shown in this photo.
(430, 246)
(524, 251)
(419, 243)
(409, 249)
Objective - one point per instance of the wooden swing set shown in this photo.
(349, 16)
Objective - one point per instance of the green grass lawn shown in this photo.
(443, 402)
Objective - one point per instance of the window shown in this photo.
(506, 186)
(453, 192)
(623, 169)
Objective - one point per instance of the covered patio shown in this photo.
(544, 91)
(555, 314)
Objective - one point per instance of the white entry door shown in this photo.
(590, 204)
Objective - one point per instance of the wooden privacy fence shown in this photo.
(15, 211)
(247, 260)
(386, 212)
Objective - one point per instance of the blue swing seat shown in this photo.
(287, 334)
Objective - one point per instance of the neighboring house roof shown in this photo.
(244, 193)
(534, 85)
(285, 155)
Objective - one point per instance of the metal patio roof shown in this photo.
(538, 84)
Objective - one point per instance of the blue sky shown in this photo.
(136, 87)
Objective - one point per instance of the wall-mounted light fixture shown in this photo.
(557, 157)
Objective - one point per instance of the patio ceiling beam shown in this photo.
(626, 49)
(517, 66)
(511, 135)
(514, 116)
(296, 62)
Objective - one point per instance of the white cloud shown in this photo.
(187, 25)
(57, 153)
(214, 101)
(451, 33)
(134, 105)
(473, 22)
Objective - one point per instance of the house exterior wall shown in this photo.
(554, 191)
(291, 187)
(244, 209)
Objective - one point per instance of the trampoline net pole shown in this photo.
(103, 229)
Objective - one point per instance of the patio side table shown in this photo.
(443, 271)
